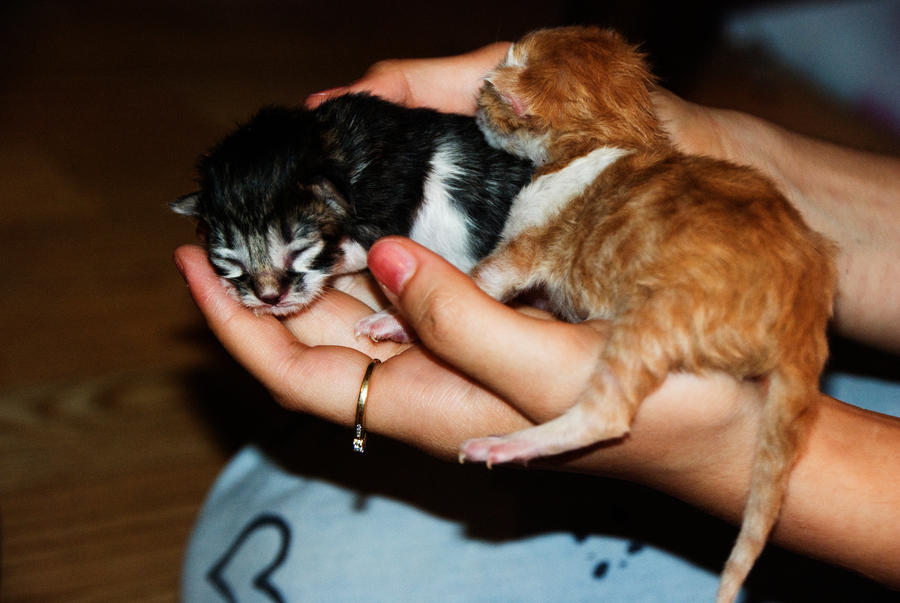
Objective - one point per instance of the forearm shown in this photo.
(693, 438)
(843, 499)
(850, 196)
(843, 502)
(853, 198)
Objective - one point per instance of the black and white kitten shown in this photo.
(295, 196)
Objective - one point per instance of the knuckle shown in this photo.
(439, 317)
(383, 66)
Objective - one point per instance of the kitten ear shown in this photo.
(326, 191)
(517, 104)
(188, 205)
(502, 86)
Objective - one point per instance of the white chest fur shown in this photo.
(547, 195)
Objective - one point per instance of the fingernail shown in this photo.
(392, 265)
(317, 98)
(328, 91)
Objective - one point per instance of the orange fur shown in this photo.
(700, 265)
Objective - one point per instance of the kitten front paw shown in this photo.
(386, 325)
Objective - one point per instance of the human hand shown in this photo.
(722, 134)
(451, 84)
(484, 369)
(448, 84)
(491, 370)
(692, 438)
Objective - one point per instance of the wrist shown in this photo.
(694, 439)
(708, 462)
(450, 84)
(728, 135)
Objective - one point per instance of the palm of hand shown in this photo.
(312, 362)
(435, 406)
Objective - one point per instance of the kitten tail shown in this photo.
(776, 451)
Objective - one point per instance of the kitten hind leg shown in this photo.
(630, 368)
(600, 414)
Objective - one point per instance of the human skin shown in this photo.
(693, 438)
(483, 368)
(853, 197)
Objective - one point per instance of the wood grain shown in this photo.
(101, 480)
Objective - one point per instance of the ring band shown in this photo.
(359, 438)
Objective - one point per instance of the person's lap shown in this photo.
(356, 528)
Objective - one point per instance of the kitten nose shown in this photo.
(271, 298)
(268, 290)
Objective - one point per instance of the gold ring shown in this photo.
(359, 438)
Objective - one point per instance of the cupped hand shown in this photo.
(312, 362)
(482, 368)
(448, 84)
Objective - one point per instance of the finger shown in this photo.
(451, 84)
(412, 397)
(384, 79)
(520, 357)
(331, 320)
(317, 98)
(363, 287)
(318, 379)
(448, 84)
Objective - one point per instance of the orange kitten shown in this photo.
(700, 265)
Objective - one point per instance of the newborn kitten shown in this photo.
(295, 196)
(700, 265)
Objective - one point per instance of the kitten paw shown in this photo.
(494, 450)
(385, 326)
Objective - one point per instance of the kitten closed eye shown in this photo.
(227, 267)
(298, 260)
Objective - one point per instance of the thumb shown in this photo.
(539, 364)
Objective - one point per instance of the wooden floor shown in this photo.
(117, 409)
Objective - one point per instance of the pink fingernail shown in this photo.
(317, 98)
(392, 265)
